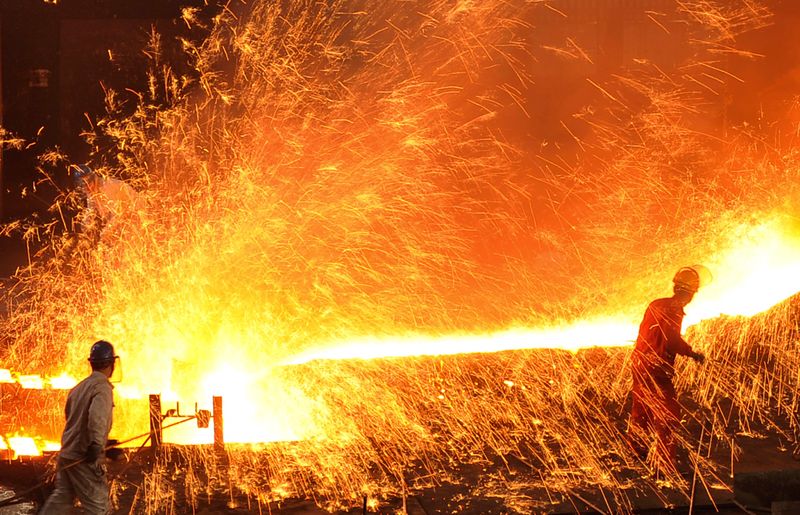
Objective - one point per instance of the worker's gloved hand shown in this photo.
(699, 357)
(94, 452)
(112, 452)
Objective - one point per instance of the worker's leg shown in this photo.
(62, 498)
(91, 488)
(641, 425)
(638, 424)
(638, 418)
(668, 425)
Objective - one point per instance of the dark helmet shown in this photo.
(82, 171)
(80, 174)
(102, 354)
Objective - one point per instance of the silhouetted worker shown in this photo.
(108, 210)
(655, 408)
(81, 470)
(106, 200)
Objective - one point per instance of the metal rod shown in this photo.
(219, 439)
(156, 428)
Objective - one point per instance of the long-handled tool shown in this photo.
(22, 496)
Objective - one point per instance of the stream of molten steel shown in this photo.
(761, 269)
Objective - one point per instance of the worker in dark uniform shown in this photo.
(81, 470)
(655, 409)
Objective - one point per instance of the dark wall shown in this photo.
(56, 61)
(97, 55)
(30, 64)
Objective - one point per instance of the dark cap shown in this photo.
(102, 352)
(82, 171)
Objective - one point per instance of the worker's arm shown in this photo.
(99, 422)
(675, 342)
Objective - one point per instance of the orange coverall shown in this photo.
(655, 407)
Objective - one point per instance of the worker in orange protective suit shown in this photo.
(655, 408)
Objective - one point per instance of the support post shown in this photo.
(219, 439)
(156, 429)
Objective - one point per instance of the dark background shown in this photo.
(56, 61)
(58, 58)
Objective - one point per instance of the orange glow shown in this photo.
(757, 270)
(333, 186)
(33, 382)
(760, 269)
(62, 382)
(24, 446)
(599, 332)
(27, 446)
(128, 391)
